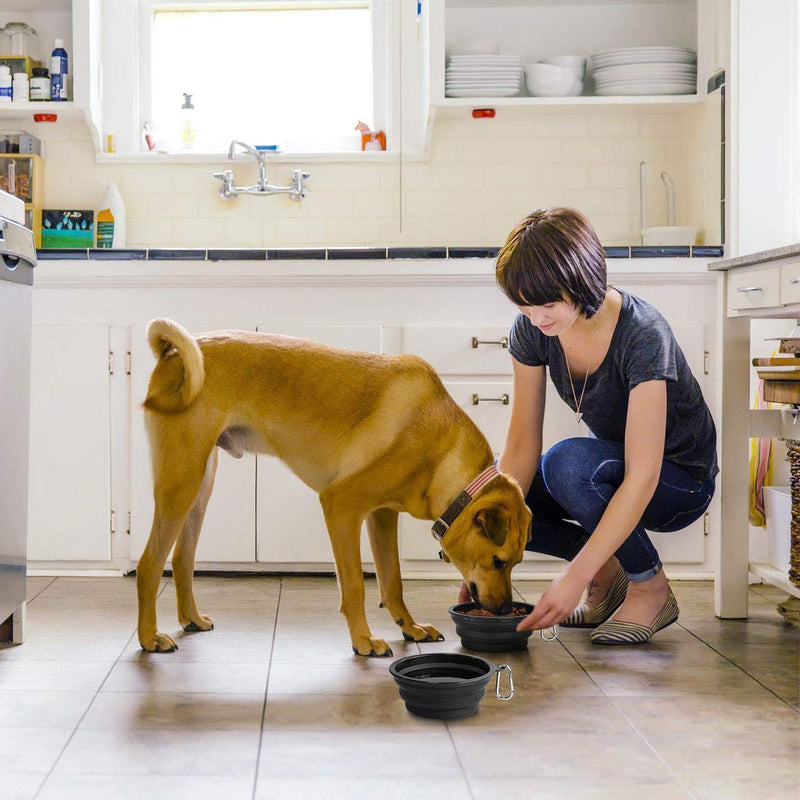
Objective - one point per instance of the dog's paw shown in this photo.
(202, 623)
(422, 632)
(372, 647)
(160, 643)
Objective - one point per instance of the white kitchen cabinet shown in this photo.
(432, 308)
(290, 525)
(229, 529)
(69, 502)
(78, 23)
(536, 29)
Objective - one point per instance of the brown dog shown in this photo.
(372, 434)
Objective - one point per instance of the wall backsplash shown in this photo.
(481, 178)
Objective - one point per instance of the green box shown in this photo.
(67, 229)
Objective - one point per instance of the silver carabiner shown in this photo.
(504, 668)
(550, 638)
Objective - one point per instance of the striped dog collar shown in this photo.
(442, 525)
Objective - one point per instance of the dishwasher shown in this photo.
(17, 261)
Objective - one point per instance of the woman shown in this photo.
(650, 460)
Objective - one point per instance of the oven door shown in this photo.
(16, 288)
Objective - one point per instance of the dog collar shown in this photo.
(442, 525)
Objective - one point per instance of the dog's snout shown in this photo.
(505, 608)
(473, 593)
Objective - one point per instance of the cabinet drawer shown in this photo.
(754, 288)
(461, 350)
(790, 283)
(489, 405)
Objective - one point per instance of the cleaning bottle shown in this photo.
(188, 134)
(59, 70)
(111, 219)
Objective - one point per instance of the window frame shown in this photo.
(384, 45)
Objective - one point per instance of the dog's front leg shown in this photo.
(344, 529)
(382, 529)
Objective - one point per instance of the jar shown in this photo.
(40, 84)
(19, 89)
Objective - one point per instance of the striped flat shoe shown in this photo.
(618, 632)
(588, 616)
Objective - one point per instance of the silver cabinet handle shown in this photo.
(749, 289)
(794, 280)
(502, 399)
(503, 342)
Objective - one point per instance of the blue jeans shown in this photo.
(576, 480)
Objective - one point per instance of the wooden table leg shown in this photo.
(732, 417)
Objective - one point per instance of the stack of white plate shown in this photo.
(482, 76)
(645, 70)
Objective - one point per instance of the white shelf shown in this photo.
(545, 102)
(774, 577)
(65, 109)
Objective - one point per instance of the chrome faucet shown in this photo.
(228, 191)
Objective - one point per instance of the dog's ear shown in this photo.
(494, 521)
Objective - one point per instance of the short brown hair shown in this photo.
(553, 253)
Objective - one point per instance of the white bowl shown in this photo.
(549, 80)
(669, 235)
(476, 49)
(576, 63)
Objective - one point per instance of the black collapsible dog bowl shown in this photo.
(446, 685)
(496, 634)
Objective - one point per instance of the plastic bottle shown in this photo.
(188, 133)
(20, 89)
(5, 83)
(59, 70)
(40, 84)
(111, 219)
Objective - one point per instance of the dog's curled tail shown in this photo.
(163, 335)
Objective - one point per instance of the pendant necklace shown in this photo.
(578, 400)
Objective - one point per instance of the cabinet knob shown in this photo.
(749, 289)
(502, 399)
(503, 342)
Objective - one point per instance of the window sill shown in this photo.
(275, 158)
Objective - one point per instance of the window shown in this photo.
(296, 74)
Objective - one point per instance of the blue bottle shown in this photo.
(59, 69)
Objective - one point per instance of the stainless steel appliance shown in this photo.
(17, 260)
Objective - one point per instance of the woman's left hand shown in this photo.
(556, 604)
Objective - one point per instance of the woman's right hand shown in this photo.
(463, 593)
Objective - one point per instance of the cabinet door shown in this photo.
(290, 524)
(228, 533)
(70, 469)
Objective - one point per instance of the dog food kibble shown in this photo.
(482, 612)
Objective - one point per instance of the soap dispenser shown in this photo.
(188, 134)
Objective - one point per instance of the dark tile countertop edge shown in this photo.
(787, 251)
(360, 253)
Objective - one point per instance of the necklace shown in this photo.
(578, 400)
(578, 414)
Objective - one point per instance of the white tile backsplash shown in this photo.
(480, 178)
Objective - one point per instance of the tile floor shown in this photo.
(272, 704)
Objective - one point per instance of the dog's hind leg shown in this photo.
(344, 530)
(189, 616)
(177, 486)
(382, 529)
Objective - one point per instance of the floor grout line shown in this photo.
(266, 686)
(88, 708)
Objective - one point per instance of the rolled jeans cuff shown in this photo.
(641, 577)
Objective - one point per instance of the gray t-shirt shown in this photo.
(643, 348)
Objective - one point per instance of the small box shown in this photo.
(67, 229)
(778, 512)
